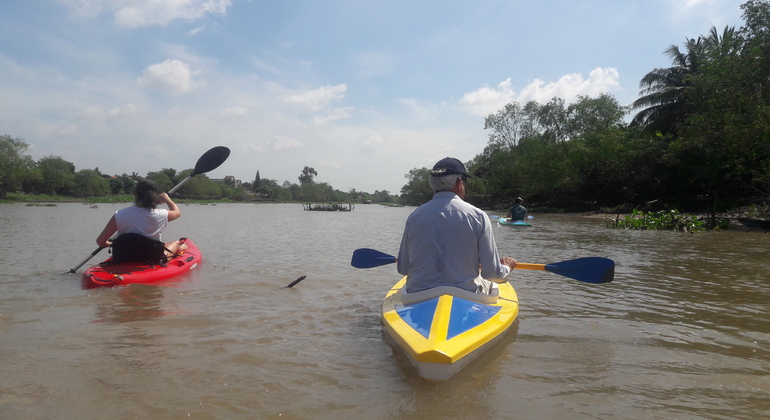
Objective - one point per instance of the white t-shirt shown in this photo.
(147, 222)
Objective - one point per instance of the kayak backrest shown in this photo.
(136, 248)
(407, 298)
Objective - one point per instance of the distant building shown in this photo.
(228, 180)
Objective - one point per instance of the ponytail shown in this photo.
(146, 194)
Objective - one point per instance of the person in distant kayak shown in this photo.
(517, 211)
(449, 242)
(139, 227)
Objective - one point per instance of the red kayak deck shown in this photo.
(108, 275)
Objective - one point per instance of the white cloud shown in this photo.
(266, 67)
(318, 99)
(195, 31)
(422, 110)
(570, 86)
(171, 75)
(85, 8)
(373, 143)
(101, 112)
(234, 111)
(332, 115)
(148, 12)
(282, 143)
(374, 63)
(161, 12)
(485, 101)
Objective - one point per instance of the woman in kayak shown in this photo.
(139, 227)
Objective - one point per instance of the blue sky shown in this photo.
(361, 90)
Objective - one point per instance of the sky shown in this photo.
(363, 91)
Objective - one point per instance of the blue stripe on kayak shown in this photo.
(419, 315)
(466, 315)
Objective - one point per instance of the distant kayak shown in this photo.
(754, 222)
(507, 222)
(444, 329)
(107, 274)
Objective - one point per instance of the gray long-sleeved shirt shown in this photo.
(444, 242)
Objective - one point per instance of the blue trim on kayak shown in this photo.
(466, 315)
(419, 315)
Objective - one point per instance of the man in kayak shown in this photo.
(517, 211)
(139, 227)
(448, 242)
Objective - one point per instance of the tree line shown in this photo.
(699, 139)
(309, 190)
(54, 176)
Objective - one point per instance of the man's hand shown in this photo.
(510, 262)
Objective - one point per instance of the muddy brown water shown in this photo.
(682, 332)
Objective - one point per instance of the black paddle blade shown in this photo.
(589, 270)
(211, 160)
(294, 283)
(368, 258)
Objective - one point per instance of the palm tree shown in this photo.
(664, 91)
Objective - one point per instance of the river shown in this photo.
(681, 333)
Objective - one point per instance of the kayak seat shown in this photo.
(407, 298)
(136, 248)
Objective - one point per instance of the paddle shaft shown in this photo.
(96, 251)
(179, 185)
(525, 266)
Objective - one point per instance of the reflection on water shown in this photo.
(682, 332)
(135, 303)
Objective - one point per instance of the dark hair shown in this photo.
(146, 194)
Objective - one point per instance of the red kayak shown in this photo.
(108, 275)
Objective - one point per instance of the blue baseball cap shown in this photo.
(449, 166)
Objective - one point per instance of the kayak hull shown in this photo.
(507, 222)
(105, 274)
(754, 222)
(446, 328)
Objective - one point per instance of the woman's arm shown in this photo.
(103, 239)
(173, 210)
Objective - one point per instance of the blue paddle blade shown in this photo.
(368, 258)
(589, 270)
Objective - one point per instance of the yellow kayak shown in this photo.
(444, 329)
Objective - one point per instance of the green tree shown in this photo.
(270, 190)
(123, 184)
(163, 180)
(15, 167)
(307, 175)
(553, 120)
(200, 187)
(588, 115)
(417, 189)
(723, 153)
(381, 196)
(508, 125)
(90, 183)
(58, 176)
(257, 183)
(666, 92)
